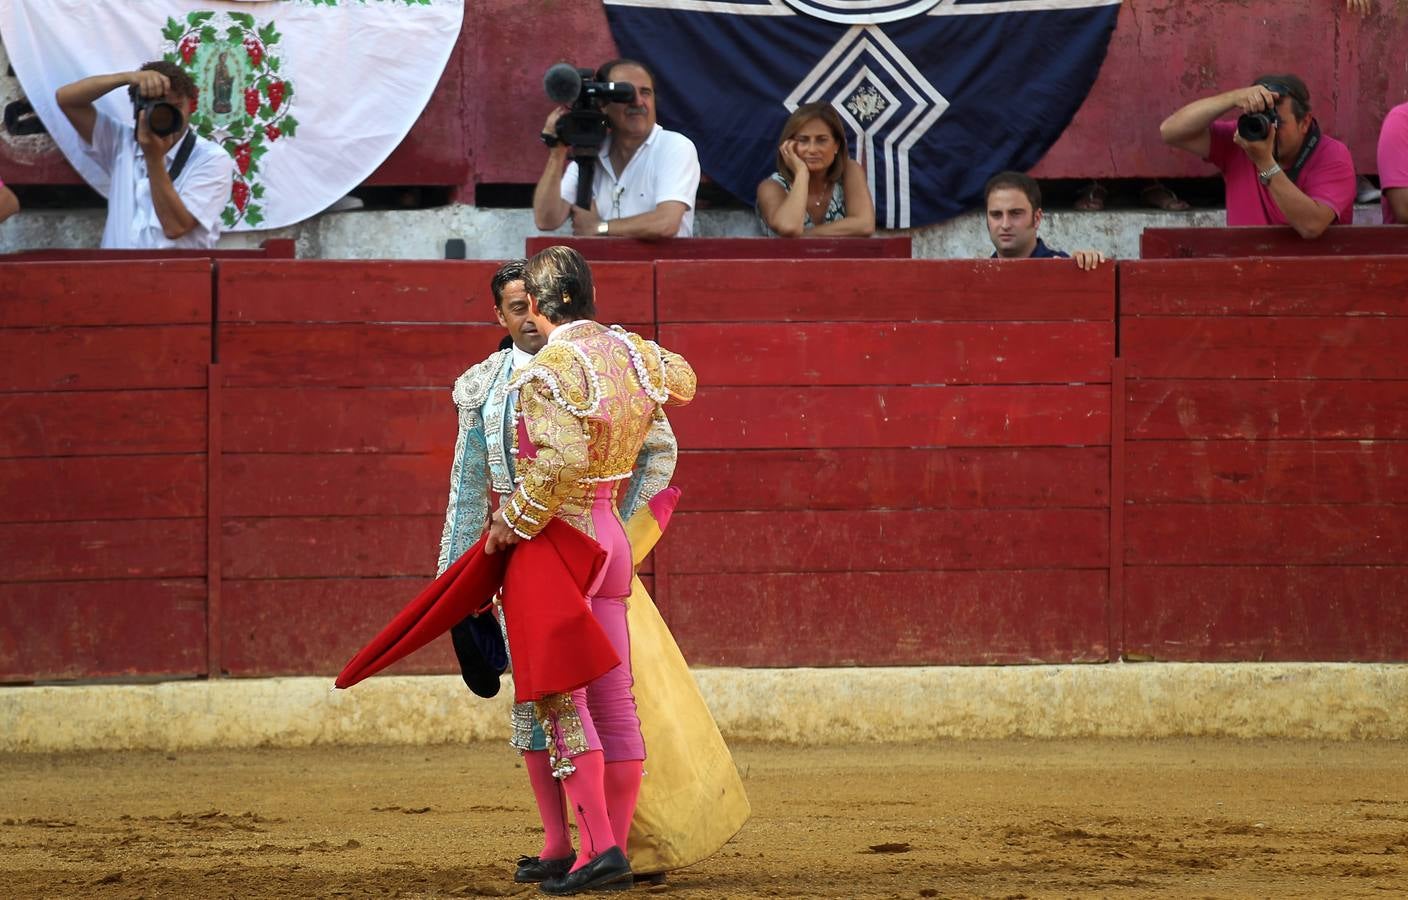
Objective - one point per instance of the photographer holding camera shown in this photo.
(1278, 168)
(167, 184)
(644, 177)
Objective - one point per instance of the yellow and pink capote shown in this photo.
(691, 799)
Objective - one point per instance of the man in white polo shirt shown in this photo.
(645, 179)
(164, 191)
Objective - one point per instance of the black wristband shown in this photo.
(549, 139)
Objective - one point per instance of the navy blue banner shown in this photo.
(938, 95)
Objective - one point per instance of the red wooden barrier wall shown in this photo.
(1224, 243)
(338, 433)
(1267, 428)
(102, 469)
(624, 249)
(890, 462)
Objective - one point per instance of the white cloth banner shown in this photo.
(308, 96)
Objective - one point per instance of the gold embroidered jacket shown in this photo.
(586, 403)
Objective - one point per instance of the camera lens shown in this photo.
(164, 119)
(1254, 126)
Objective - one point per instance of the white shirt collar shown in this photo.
(649, 139)
(561, 330)
(521, 358)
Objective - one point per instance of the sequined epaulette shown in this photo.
(638, 346)
(472, 388)
(568, 373)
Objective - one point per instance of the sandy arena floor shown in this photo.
(1185, 818)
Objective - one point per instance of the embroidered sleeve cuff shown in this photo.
(515, 517)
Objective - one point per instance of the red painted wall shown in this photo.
(1265, 480)
(890, 461)
(481, 124)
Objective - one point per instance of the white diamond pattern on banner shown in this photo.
(307, 96)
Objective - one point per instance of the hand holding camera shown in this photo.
(1259, 118)
(155, 144)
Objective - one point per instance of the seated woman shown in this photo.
(817, 190)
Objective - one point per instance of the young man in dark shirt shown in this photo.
(1013, 203)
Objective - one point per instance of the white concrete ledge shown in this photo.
(798, 706)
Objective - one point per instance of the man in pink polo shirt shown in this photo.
(1294, 175)
(1393, 165)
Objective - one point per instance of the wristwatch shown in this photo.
(601, 228)
(550, 139)
(1269, 173)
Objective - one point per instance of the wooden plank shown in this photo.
(890, 618)
(765, 418)
(91, 423)
(335, 484)
(430, 291)
(1279, 348)
(912, 290)
(598, 250)
(1356, 285)
(1265, 534)
(111, 550)
(1269, 613)
(1279, 241)
(895, 353)
(893, 478)
(1268, 410)
(1119, 459)
(87, 359)
(314, 626)
(214, 515)
(102, 487)
(888, 540)
(150, 292)
(351, 355)
(102, 629)
(328, 420)
(331, 547)
(1267, 472)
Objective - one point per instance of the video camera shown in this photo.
(583, 127)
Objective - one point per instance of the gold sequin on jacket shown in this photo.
(586, 403)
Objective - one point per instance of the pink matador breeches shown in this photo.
(602, 715)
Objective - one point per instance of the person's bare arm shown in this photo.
(176, 220)
(1188, 128)
(785, 210)
(77, 99)
(859, 220)
(661, 222)
(1398, 202)
(1309, 217)
(549, 209)
(10, 204)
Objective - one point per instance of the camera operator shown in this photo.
(1278, 168)
(645, 178)
(166, 190)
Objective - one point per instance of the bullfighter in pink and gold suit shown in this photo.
(585, 405)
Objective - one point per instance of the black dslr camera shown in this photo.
(583, 127)
(1256, 126)
(164, 119)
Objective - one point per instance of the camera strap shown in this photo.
(183, 155)
(1312, 140)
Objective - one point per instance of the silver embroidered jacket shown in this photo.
(483, 457)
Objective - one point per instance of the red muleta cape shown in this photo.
(557, 646)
